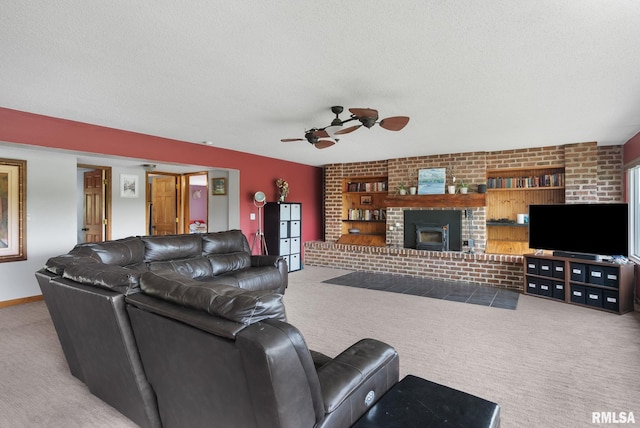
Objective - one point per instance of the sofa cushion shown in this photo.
(171, 247)
(195, 267)
(230, 241)
(235, 304)
(223, 263)
(121, 252)
(124, 279)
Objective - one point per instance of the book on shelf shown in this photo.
(525, 182)
(367, 215)
(362, 186)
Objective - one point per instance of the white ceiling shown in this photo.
(472, 75)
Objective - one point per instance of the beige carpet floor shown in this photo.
(547, 364)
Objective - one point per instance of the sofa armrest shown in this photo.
(266, 260)
(351, 371)
(273, 260)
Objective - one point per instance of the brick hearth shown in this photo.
(503, 271)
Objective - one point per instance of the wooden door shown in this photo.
(164, 213)
(93, 222)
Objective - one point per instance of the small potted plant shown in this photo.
(464, 187)
(451, 172)
(402, 190)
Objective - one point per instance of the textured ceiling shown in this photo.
(472, 75)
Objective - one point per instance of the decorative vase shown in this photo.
(281, 199)
(413, 190)
(452, 189)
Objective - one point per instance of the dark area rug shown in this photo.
(426, 287)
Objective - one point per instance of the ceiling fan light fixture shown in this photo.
(331, 130)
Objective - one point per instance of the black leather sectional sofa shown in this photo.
(190, 330)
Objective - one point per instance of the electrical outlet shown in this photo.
(252, 216)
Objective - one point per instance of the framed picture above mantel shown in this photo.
(13, 190)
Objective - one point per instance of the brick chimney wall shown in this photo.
(592, 174)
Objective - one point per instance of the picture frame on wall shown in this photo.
(431, 181)
(129, 186)
(366, 200)
(13, 210)
(219, 186)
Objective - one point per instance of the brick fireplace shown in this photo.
(592, 174)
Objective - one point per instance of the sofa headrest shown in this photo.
(232, 303)
(223, 263)
(112, 277)
(230, 241)
(58, 264)
(121, 252)
(194, 267)
(171, 247)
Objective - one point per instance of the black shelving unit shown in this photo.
(283, 231)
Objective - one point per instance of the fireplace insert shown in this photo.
(432, 237)
(435, 240)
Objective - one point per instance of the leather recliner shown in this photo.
(85, 291)
(228, 358)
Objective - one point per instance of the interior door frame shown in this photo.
(179, 197)
(107, 202)
(186, 198)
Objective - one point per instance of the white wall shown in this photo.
(51, 224)
(128, 214)
(52, 209)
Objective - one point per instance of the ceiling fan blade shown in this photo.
(288, 140)
(323, 144)
(364, 112)
(320, 133)
(394, 123)
(347, 130)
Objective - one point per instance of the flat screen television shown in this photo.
(600, 229)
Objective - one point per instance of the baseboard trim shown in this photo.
(20, 301)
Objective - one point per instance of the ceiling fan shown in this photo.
(322, 138)
(369, 117)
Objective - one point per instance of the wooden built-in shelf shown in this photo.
(437, 201)
(374, 240)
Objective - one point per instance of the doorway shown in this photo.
(196, 203)
(94, 207)
(163, 190)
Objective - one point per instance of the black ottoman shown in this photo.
(415, 402)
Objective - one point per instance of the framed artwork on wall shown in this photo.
(218, 186)
(366, 200)
(129, 187)
(431, 181)
(13, 210)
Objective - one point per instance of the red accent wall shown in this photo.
(256, 172)
(632, 149)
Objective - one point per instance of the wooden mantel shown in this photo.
(469, 200)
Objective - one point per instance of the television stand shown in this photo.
(595, 284)
(581, 256)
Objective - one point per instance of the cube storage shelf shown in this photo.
(283, 231)
(594, 284)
